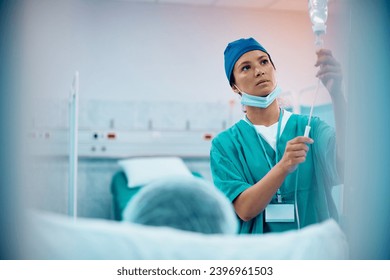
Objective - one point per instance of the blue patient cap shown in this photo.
(236, 49)
(184, 203)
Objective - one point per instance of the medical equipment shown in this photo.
(296, 200)
(73, 139)
(318, 11)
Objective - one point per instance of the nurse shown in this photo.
(276, 178)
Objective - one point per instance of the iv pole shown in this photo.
(73, 139)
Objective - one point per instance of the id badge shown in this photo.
(282, 213)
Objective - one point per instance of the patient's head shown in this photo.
(190, 204)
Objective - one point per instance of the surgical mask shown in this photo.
(260, 101)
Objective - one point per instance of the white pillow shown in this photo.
(142, 171)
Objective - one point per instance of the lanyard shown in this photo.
(278, 194)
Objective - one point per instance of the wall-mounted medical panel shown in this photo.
(120, 144)
(116, 129)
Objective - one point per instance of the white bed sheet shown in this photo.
(53, 236)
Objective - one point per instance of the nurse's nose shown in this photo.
(259, 71)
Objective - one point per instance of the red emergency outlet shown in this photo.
(111, 135)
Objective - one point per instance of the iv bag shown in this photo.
(318, 11)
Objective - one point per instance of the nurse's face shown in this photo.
(254, 74)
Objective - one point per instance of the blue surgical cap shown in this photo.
(236, 49)
(190, 204)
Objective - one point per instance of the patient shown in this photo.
(190, 204)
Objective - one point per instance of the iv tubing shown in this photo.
(314, 101)
(307, 129)
(296, 200)
(319, 45)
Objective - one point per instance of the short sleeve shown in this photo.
(227, 173)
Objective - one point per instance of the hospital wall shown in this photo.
(150, 52)
(143, 68)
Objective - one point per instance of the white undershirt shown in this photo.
(269, 132)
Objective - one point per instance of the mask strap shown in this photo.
(239, 90)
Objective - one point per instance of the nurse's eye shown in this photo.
(264, 61)
(245, 68)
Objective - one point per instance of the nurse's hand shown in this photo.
(295, 153)
(330, 72)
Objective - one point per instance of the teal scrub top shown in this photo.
(237, 162)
